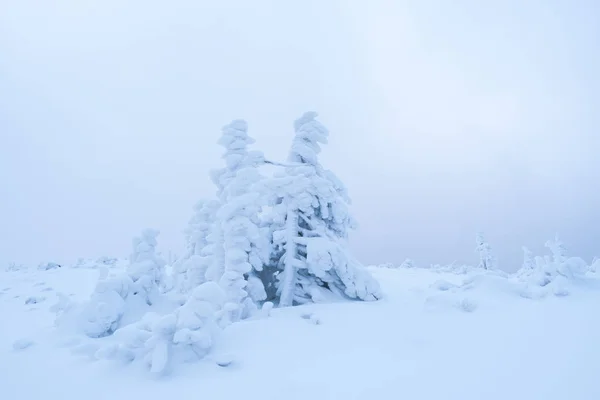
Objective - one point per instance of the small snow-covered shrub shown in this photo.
(102, 315)
(595, 267)
(458, 269)
(104, 260)
(187, 334)
(121, 299)
(48, 266)
(15, 267)
(551, 275)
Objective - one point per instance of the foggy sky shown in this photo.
(446, 118)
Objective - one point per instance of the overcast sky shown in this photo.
(446, 117)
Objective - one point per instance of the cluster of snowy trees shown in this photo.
(280, 238)
(263, 241)
(535, 270)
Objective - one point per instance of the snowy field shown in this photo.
(430, 337)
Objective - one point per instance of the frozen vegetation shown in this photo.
(268, 301)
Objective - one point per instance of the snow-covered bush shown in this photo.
(48, 266)
(552, 274)
(453, 268)
(15, 267)
(408, 263)
(595, 267)
(105, 260)
(187, 334)
(122, 299)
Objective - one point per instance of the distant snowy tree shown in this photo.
(48, 266)
(15, 267)
(408, 263)
(595, 266)
(310, 221)
(486, 259)
(558, 250)
(528, 260)
(104, 260)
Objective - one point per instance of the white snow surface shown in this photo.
(434, 335)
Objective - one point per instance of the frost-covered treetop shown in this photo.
(309, 133)
(144, 246)
(235, 139)
(558, 249)
(528, 262)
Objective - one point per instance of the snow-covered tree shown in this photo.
(146, 269)
(558, 250)
(310, 221)
(408, 263)
(528, 260)
(235, 139)
(246, 245)
(199, 226)
(486, 259)
(190, 270)
(237, 246)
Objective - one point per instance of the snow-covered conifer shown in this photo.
(146, 269)
(528, 261)
(558, 250)
(190, 270)
(246, 250)
(237, 246)
(486, 259)
(310, 222)
(235, 139)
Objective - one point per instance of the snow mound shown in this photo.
(185, 335)
(22, 344)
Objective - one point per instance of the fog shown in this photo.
(446, 118)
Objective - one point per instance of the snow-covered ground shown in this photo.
(427, 339)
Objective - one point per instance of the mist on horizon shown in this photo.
(445, 119)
